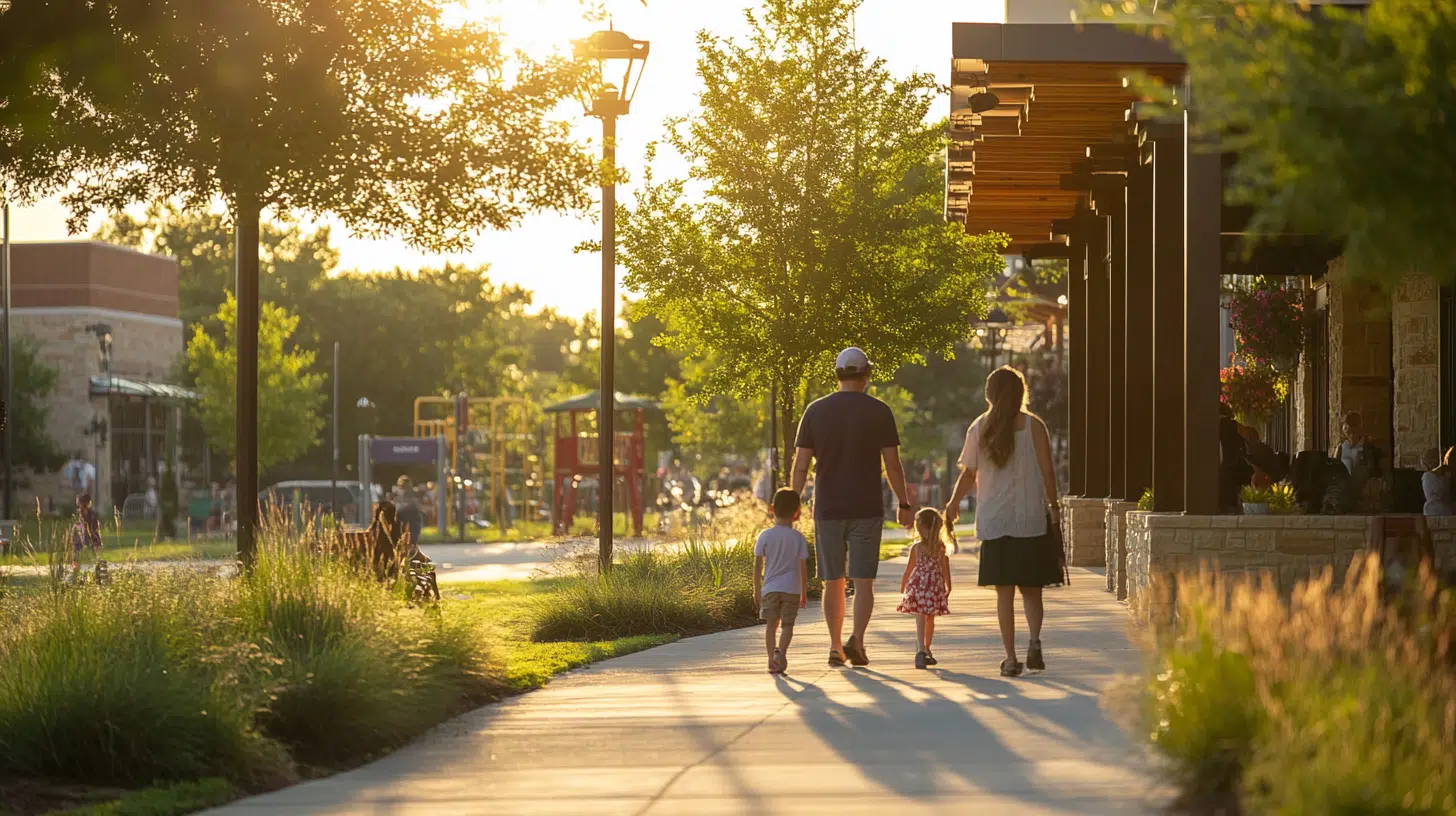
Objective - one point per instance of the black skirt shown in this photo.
(1027, 562)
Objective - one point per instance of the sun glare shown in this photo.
(537, 27)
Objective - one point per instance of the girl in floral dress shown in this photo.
(925, 587)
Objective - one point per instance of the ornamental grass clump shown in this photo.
(1335, 700)
(184, 674)
(704, 584)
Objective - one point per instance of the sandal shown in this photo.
(856, 653)
(1034, 659)
(781, 661)
(836, 659)
(930, 659)
(1010, 667)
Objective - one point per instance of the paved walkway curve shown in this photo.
(698, 727)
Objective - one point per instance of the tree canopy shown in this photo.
(811, 217)
(290, 419)
(1339, 118)
(385, 114)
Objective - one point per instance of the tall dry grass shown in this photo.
(1334, 700)
(702, 583)
(181, 673)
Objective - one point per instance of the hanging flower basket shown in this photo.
(1269, 325)
(1253, 390)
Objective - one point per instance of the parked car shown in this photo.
(314, 495)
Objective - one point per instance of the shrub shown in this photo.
(128, 684)
(182, 675)
(1333, 701)
(704, 585)
(357, 670)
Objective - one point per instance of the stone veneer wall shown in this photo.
(1117, 546)
(1084, 525)
(1288, 549)
(1416, 324)
(1359, 356)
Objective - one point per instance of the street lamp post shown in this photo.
(613, 52)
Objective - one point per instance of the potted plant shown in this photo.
(1280, 498)
(1253, 390)
(1269, 323)
(1255, 501)
(1145, 502)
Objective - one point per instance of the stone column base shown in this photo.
(1116, 556)
(1084, 527)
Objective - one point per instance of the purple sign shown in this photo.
(401, 449)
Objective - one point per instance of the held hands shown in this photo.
(905, 515)
(952, 512)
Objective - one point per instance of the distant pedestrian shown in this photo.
(850, 433)
(407, 505)
(781, 578)
(1007, 460)
(86, 532)
(925, 586)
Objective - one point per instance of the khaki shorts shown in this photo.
(780, 606)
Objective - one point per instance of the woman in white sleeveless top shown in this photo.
(1007, 460)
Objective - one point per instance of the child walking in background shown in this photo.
(87, 531)
(781, 578)
(925, 587)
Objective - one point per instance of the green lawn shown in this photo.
(504, 607)
(34, 539)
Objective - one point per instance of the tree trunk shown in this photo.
(247, 212)
(788, 430)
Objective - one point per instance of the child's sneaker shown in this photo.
(920, 660)
(930, 659)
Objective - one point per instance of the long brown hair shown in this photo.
(930, 532)
(1006, 396)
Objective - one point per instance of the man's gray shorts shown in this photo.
(856, 539)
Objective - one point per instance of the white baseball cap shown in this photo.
(853, 361)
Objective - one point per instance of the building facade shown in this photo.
(105, 319)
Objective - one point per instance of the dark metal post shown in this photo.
(245, 458)
(1203, 174)
(607, 393)
(334, 478)
(1097, 444)
(1139, 297)
(1168, 315)
(9, 367)
(1077, 367)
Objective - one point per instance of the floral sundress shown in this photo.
(925, 592)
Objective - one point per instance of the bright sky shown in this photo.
(912, 35)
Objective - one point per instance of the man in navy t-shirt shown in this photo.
(850, 432)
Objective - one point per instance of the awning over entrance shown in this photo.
(1062, 100)
(102, 386)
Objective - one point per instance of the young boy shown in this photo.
(781, 577)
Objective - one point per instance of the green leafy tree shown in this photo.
(712, 427)
(387, 115)
(820, 224)
(290, 419)
(1339, 118)
(27, 415)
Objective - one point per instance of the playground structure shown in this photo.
(494, 452)
(575, 445)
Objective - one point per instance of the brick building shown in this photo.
(105, 318)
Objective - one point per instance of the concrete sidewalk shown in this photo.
(698, 727)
